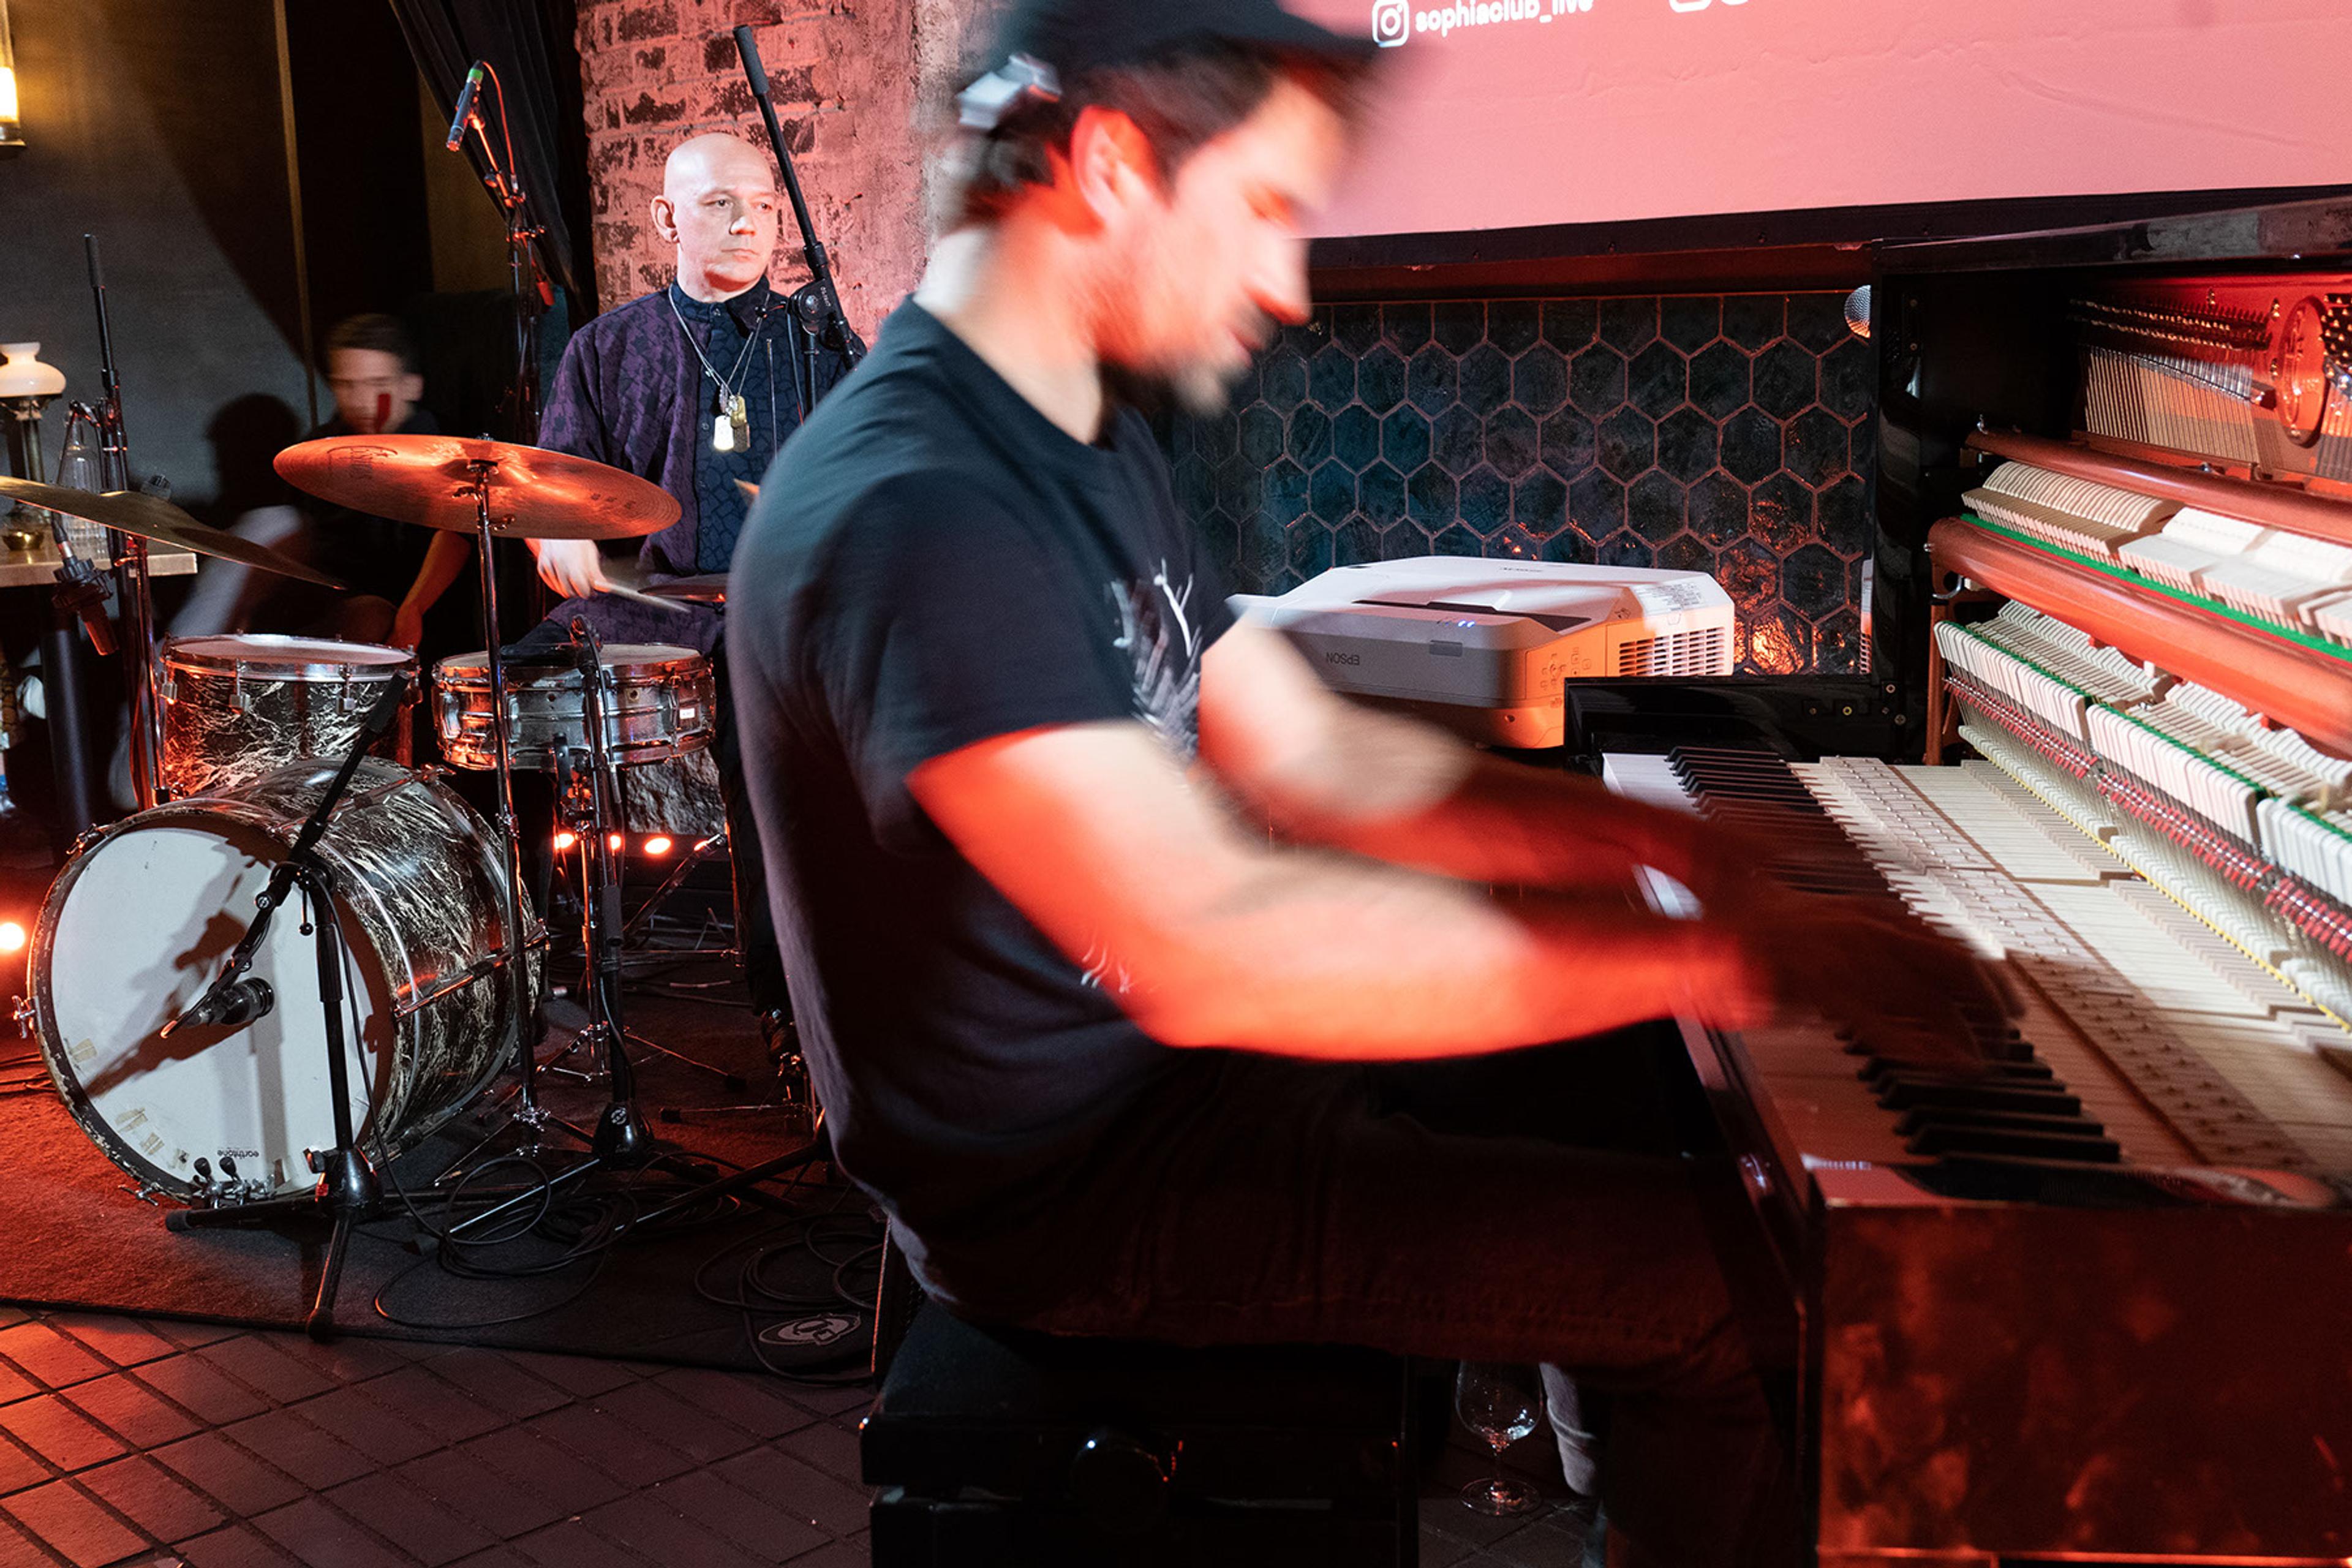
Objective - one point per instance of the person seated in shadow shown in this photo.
(396, 571)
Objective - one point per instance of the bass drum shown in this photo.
(142, 919)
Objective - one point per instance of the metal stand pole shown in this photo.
(527, 1108)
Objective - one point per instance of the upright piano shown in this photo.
(2094, 1304)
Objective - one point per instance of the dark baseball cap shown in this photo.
(1075, 37)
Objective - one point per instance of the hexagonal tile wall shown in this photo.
(1728, 434)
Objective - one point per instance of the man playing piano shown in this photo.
(1095, 1037)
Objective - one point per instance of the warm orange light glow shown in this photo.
(12, 937)
(614, 840)
(658, 844)
(565, 840)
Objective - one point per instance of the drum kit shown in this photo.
(252, 1068)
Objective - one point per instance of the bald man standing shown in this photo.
(695, 387)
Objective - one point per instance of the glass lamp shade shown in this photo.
(22, 373)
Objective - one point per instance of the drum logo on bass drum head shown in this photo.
(812, 1332)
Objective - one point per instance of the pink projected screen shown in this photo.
(1503, 113)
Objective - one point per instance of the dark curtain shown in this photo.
(530, 42)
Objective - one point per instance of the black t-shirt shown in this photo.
(932, 564)
(370, 555)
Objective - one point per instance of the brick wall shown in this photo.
(849, 82)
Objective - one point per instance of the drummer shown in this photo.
(396, 572)
(694, 388)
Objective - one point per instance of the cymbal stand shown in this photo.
(527, 1108)
(132, 587)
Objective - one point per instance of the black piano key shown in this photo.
(1875, 1072)
(1942, 1143)
(1921, 1118)
(1902, 1095)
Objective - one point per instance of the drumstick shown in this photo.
(631, 594)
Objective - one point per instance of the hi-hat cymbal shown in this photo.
(161, 522)
(430, 480)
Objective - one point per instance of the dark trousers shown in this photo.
(755, 925)
(1525, 1208)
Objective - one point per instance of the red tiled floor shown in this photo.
(237, 1546)
(122, 1340)
(491, 1381)
(474, 1490)
(768, 1532)
(127, 1408)
(409, 1520)
(202, 1389)
(73, 1525)
(256, 1361)
(152, 1498)
(314, 1533)
(58, 1432)
(386, 1439)
(48, 1356)
(18, 1468)
(231, 1477)
(416, 1395)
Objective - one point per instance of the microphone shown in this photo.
(465, 107)
(234, 1004)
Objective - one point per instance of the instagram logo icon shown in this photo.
(1391, 22)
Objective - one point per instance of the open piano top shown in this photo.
(2097, 1304)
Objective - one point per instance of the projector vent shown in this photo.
(1683, 653)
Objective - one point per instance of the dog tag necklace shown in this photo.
(730, 424)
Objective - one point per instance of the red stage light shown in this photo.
(12, 937)
(614, 841)
(565, 840)
(658, 844)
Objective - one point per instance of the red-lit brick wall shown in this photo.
(851, 82)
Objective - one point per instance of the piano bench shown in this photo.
(993, 1447)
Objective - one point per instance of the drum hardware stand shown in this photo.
(525, 1102)
(708, 849)
(131, 575)
(504, 183)
(348, 1190)
(603, 933)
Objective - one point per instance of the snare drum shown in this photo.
(658, 707)
(237, 708)
(140, 920)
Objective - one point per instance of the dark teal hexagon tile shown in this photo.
(1568, 443)
(1783, 379)
(1381, 379)
(1539, 503)
(1628, 325)
(1514, 325)
(1484, 379)
(1816, 447)
(1752, 320)
(1459, 441)
(1511, 442)
(1596, 380)
(1654, 505)
(1355, 437)
(1310, 436)
(1596, 504)
(1431, 380)
(1686, 444)
(1690, 322)
(1540, 380)
(1331, 377)
(1657, 380)
(1568, 324)
(1718, 380)
(1628, 443)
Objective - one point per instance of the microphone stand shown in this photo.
(348, 1190)
(816, 303)
(504, 183)
(130, 556)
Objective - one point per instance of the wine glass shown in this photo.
(1502, 1403)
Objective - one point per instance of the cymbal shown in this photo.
(161, 522)
(429, 480)
(710, 588)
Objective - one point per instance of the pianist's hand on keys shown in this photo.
(1876, 972)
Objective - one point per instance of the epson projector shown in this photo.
(1485, 647)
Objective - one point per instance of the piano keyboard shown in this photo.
(2147, 1040)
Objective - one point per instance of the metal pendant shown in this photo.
(738, 414)
(722, 434)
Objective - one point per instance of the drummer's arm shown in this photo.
(445, 562)
(573, 568)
